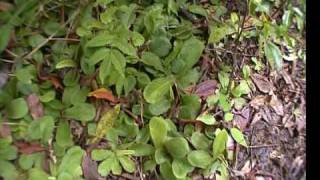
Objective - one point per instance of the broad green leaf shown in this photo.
(166, 171)
(71, 162)
(41, 129)
(238, 136)
(219, 144)
(181, 167)
(208, 119)
(98, 56)
(190, 54)
(17, 108)
(25, 161)
(161, 46)
(35, 40)
(127, 164)
(35, 174)
(8, 171)
(228, 116)
(66, 63)
(104, 70)
(149, 165)
(241, 89)
(106, 122)
(64, 135)
(124, 47)
(223, 79)
(177, 147)
(141, 149)
(161, 156)
(160, 107)
(200, 141)
(108, 164)
(197, 9)
(157, 89)
(217, 33)
(48, 96)
(100, 40)
(273, 55)
(153, 60)
(137, 39)
(8, 152)
(224, 102)
(5, 31)
(190, 107)
(100, 154)
(200, 158)
(118, 61)
(158, 131)
(81, 112)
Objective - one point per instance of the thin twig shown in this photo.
(263, 146)
(65, 39)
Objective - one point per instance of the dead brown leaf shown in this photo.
(28, 148)
(103, 93)
(35, 106)
(276, 105)
(5, 129)
(262, 83)
(5, 6)
(206, 88)
(258, 101)
(55, 82)
(90, 169)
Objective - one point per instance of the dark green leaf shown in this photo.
(81, 112)
(17, 108)
(200, 158)
(177, 147)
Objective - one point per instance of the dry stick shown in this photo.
(263, 146)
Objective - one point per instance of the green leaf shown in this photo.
(98, 56)
(161, 46)
(158, 131)
(200, 158)
(7, 152)
(190, 54)
(71, 162)
(108, 164)
(100, 154)
(48, 96)
(124, 47)
(100, 40)
(67, 63)
(35, 40)
(217, 33)
(200, 141)
(149, 165)
(137, 39)
(157, 89)
(81, 112)
(17, 108)
(166, 171)
(118, 61)
(241, 89)
(197, 9)
(5, 31)
(35, 174)
(160, 107)
(161, 156)
(127, 164)
(177, 147)
(181, 167)
(223, 79)
(190, 107)
(238, 136)
(41, 129)
(8, 171)
(64, 135)
(104, 70)
(228, 116)
(141, 149)
(207, 119)
(153, 60)
(219, 144)
(25, 161)
(273, 55)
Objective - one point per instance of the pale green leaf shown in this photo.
(177, 147)
(66, 63)
(273, 55)
(200, 158)
(81, 112)
(238, 136)
(17, 108)
(158, 131)
(157, 89)
(207, 119)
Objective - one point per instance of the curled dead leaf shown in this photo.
(90, 168)
(276, 105)
(28, 148)
(103, 93)
(206, 88)
(35, 106)
(258, 101)
(262, 83)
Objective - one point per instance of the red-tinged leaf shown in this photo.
(206, 88)
(90, 169)
(55, 82)
(35, 106)
(28, 148)
(103, 93)
(5, 130)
